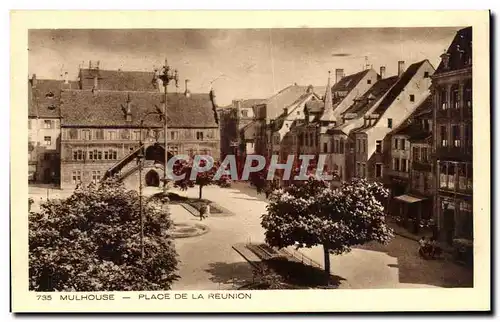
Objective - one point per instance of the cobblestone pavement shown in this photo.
(209, 262)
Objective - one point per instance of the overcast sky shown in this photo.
(249, 63)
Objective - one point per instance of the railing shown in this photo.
(300, 257)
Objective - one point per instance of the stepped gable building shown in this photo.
(452, 88)
(366, 156)
(44, 128)
(101, 127)
(411, 175)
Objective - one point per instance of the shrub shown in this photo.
(91, 242)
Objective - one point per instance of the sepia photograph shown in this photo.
(230, 160)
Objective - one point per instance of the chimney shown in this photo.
(66, 80)
(445, 58)
(187, 92)
(382, 72)
(339, 74)
(33, 81)
(401, 67)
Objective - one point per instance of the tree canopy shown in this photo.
(91, 242)
(312, 213)
(203, 178)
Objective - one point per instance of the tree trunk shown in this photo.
(326, 254)
(201, 187)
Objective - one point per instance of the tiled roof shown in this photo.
(347, 84)
(460, 51)
(398, 87)
(118, 80)
(410, 127)
(365, 102)
(315, 106)
(284, 98)
(44, 97)
(105, 108)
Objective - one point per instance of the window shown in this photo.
(46, 157)
(110, 135)
(99, 134)
(336, 146)
(358, 169)
(125, 134)
(341, 146)
(47, 140)
(404, 164)
(358, 145)
(363, 170)
(426, 74)
(369, 81)
(389, 123)
(47, 124)
(455, 103)
(455, 133)
(396, 164)
(424, 156)
(451, 176)
(415, 153)
(468, 134)
(468, 96)
(86, 135)
(462, 176)
(91, 155)
(244, 113)
(298, 112)
(469, 176)
(136, 135)
(106, 155)
(412, 98)
(325, 147)
(403, 144)
(416, 179)
(443, 175)
(199, 136)
(396, 144)
(364, 145)
(73, 134)
(99, 155)
(444, 99)
(96, 176)
(76, 176)
(378, 146)
(174, 135)
(378, 170)
(77, 155)
(443, 135)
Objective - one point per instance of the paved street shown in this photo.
(209, 262)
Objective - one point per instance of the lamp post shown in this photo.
(140, 158)
(167, 74)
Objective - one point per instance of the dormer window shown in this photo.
(49, 95)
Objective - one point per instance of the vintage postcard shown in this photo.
(316, 161)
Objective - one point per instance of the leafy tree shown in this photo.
(91, 242)
(203, 178)
(311, 213)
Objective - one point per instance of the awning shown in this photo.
(408, 198)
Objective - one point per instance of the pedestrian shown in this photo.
(203, 210)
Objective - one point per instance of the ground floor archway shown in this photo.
(152, 179)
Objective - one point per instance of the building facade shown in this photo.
(452, 88)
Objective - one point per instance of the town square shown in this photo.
(350, 167)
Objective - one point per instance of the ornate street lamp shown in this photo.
(140, 158)
(166, 75)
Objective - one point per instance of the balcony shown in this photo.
(398, 174)
(422, 166)
(454, 153)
